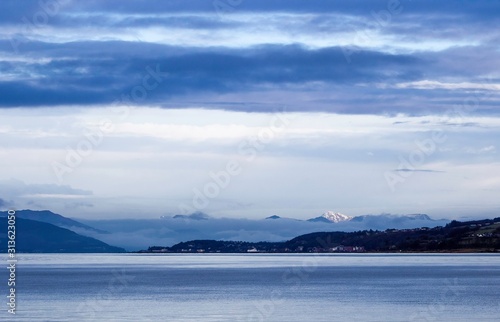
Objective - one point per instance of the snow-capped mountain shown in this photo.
(330, 217)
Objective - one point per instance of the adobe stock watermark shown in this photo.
(92, 306)
(223, 7)
(434, 311)
(93, 138)
(293, 278)
(424, 149)
(415, 159)
(48, 9)
(250, 148)
(380, 19)
(11, 261)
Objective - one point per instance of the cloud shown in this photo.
(480, 8)
(43, 196)
(360, 79)
(378, 72)
(419, 170)
(20, 188)
(486, 149)
(313, 55)
(426, 84)
(255, 79)
(103, 79)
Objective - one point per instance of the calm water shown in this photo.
(137, 287)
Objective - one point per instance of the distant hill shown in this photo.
(472, 236)
(481, 235)
(54, 219)
(40, 237)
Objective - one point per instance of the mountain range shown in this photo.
(169, 230)
(376, 220)
(331, 216)
(135, 234)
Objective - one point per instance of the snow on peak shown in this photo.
(335, 216)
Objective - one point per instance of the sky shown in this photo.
(246, 109)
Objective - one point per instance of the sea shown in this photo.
(254, 287)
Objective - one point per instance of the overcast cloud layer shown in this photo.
(114, 109)
(351, 57)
